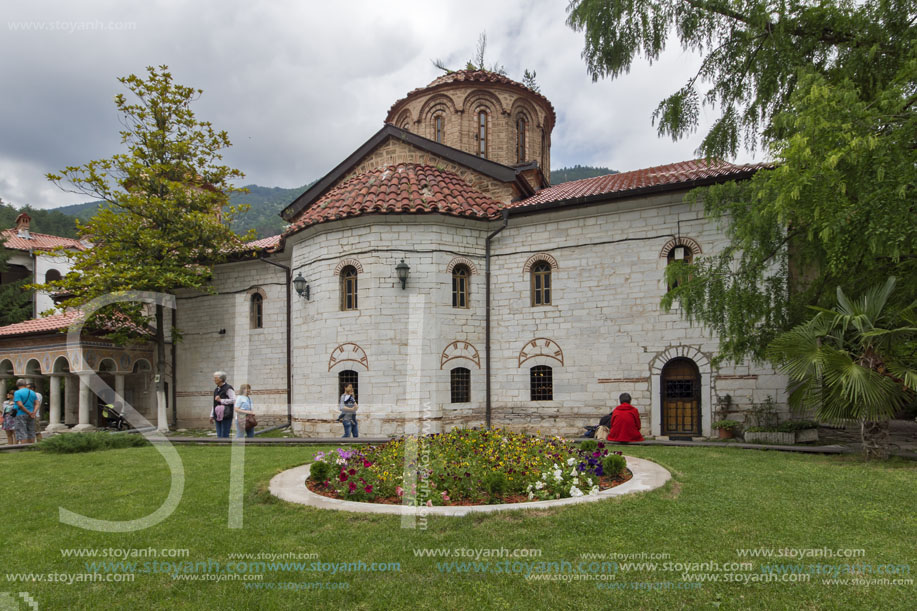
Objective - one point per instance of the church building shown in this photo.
(438, 271)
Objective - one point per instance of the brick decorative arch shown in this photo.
(461, 261)
(460, 349)
(348, 353)
(257, 290)
(345, 263)
(541, 256)
(704, 366)
(686, 242)
(541, 347)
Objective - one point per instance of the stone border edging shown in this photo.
(290, 485)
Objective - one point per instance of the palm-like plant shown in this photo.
(855, 362)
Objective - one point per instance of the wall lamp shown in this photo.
(301, 286)
(402, 269)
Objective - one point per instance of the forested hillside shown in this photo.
(265, 204)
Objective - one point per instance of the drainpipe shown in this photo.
(174, 376)
(487, 405)
(289, 283)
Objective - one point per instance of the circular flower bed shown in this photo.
(467, 467)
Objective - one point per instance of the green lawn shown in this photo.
(719, 500)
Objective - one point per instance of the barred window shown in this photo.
(349, 288)
(460, 385)
(349, 377)
(542, 384)
(257, 311)
(482, 134)
(541, 284)
(460, 277)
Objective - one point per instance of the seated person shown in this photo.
(625, 422)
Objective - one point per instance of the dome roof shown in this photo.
(401, 188)
(473, 76)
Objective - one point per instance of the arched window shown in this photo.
(439, 128)
(257, 311)
(520, 139)
(542, 383)
(349, 377)
(460, 276)
(541, 283)
(460, 385)
(482, 133)
(544, 151)
(349, 288)
(52, 275)
(679, 253)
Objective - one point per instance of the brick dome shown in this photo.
(483, 113)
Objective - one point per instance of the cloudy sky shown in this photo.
(298, 85)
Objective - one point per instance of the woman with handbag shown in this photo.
(245, 418)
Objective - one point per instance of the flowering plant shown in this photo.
(462, 466)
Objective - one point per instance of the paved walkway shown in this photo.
(902, 437)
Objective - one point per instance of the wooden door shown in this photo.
(681, 398)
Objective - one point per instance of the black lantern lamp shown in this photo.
(403, 269)
(301, 286)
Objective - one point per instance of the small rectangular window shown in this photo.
(460, 385)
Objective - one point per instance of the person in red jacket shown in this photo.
(625, 421)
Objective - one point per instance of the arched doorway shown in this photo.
(680, 394)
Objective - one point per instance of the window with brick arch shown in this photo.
(679, 253)
(482, 133)
(460, 385)
(439, 128)
(541, 284)
(349, 288)
(257, 311)
(542, 383)
(520, 139)
(349, 377)
(460, 276)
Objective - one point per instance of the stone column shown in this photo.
(119, 393)
(55, 422)
(69, 399)
(3, 386)
(84, 424)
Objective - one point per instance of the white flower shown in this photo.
(594, 490)
(573, 471)
(571, 462)
(531, 495)
(575, 481)
(574, 491)
(539, 485)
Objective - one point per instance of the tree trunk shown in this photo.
(162, 417)
(875, 439)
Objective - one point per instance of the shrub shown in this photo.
(72, 443)
(320, 471)
(589, 445)
(791, 426)
(495, 483)
(614, 464)
(729, 425)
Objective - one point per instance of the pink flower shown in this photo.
(445, 496)
(367, 464)
(352, 486)
(353, 471)
(342, 476)
(368, 489)
(399, 490)
(429, 503)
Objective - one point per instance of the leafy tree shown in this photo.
(829, 89)
(165, 215)
(853, 362)
(15, 301)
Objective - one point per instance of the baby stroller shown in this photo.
(113, 418)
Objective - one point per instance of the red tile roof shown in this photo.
(678, 174)
(38, 241)
(472, 76)
(42, 325)
(406, 187)
(268, 243)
